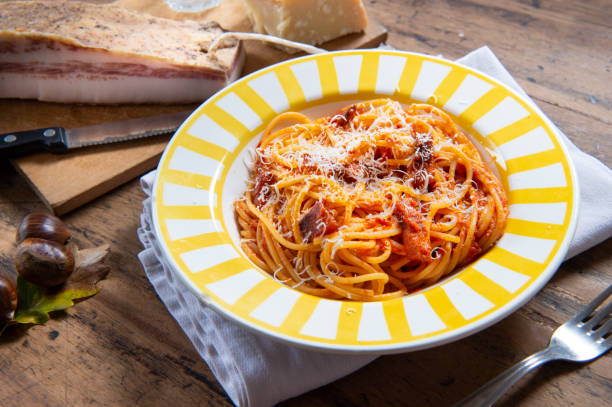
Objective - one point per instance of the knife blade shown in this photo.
(60, 140)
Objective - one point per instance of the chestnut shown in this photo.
(43, 226)
(8, 300)
(44, 262)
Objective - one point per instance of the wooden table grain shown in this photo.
(122, 348)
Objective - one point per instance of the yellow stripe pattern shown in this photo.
(348, 321)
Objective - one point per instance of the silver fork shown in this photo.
(583, 338)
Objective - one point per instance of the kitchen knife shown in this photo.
(60, 140)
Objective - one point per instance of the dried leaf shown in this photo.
(87, 257)
(36, 302)
(85, 278)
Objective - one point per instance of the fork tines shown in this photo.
(588, 319)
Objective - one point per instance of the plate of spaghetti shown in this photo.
(365, 201)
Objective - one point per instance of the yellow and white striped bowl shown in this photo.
(202, 172)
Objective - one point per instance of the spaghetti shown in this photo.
(368, 204)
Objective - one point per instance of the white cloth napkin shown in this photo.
(256, 371)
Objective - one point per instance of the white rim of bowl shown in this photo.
(435, 340)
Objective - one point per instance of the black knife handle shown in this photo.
(51, 139)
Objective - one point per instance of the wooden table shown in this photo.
(122, 348)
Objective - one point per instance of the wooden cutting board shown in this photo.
(65, 182)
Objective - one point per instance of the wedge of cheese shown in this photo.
(312, 22)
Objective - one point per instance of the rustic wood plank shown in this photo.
(120, 347)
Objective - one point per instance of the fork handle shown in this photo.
(490, 392)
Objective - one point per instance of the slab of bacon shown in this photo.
(66, 51)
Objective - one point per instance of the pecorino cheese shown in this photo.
(312, 22)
